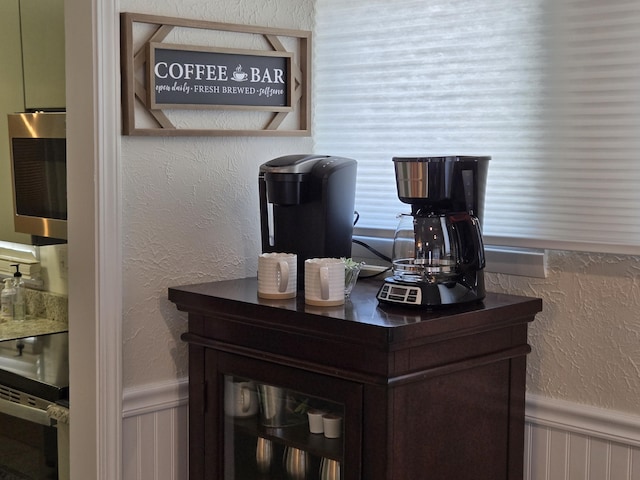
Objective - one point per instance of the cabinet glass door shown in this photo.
(288, 424)
(271, 432)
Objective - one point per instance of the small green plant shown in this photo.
(350, 262)
(351, 272)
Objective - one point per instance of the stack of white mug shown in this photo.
(324, 278)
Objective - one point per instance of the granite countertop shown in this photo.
(30, 327)
(46, 313)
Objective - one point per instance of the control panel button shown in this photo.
(404, 294)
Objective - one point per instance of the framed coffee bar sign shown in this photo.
(185, 77)
(238, 89)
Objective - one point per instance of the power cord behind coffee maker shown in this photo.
(378, 254)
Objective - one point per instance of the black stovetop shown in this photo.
(37, 366)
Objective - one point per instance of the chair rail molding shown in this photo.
(583, 419)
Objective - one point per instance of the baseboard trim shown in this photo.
(583, 419)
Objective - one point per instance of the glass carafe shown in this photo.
(425, 248)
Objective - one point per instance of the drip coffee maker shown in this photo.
(438, 254)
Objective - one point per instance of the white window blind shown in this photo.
(550, 90)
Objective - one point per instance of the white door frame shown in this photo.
(95, 283)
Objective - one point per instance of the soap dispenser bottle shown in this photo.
(7, 296)
(19, 307)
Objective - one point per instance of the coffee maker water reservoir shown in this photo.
(307, 206)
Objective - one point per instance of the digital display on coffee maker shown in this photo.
(406, 294)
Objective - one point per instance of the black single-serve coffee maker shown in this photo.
(438, 253)
(307, 206)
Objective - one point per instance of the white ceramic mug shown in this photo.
(324, 281)
(277, 275)
(240, 398)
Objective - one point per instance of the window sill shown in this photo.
(507, 260)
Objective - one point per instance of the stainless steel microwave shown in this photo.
(39, 173)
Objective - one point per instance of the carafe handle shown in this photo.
(467, 227)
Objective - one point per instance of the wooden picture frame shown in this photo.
(262, 88)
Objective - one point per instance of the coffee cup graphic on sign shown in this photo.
(239, 75)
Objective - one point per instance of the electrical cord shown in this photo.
(371, 249)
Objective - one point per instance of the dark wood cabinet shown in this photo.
(423, 394)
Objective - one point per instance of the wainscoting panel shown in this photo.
(556, 455)
(563, 440)
(567, 441)
(154, 432)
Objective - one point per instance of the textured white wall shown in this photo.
(190, 205)
(190, 214)
(586, 341)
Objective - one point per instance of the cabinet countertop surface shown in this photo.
(30, 327)
(361, 312)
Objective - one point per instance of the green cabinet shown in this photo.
(32, 76)
(11, 100)
(42, 24)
